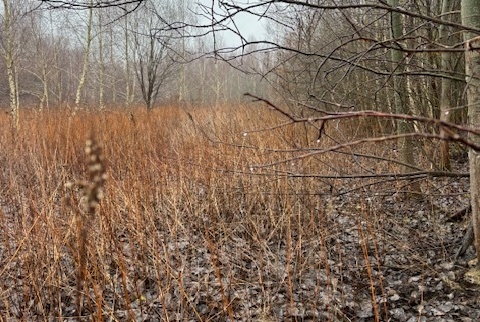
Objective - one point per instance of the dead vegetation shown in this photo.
(199, 221)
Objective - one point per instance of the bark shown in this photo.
(101, 67)
(11, 71)
(400, 96)
(112, 62)
(127, 66)
(81, 82)
(44, 100)
(181, 89)
(471, 17)
(447, 98)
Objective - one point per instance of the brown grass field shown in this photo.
(201, 221)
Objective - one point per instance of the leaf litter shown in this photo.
(369, 257)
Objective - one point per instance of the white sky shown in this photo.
(249, 25)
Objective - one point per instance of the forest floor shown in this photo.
(221, 215)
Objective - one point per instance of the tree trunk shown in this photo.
(11, 72)
(400, 97)
(471, 18)
(447, 99)
(81, 82)
(127, 65)
(101, 67)
(112, 62)
(44, 100)
(181, 87)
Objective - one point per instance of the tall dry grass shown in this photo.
(190, 227)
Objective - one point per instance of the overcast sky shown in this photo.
(249, 25)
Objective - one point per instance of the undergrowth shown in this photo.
(200, 220)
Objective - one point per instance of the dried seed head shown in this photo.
(96, 167)
(92, 190)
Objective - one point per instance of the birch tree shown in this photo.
(128, 84)
(83, 75)
(8, 54)
(101, 84)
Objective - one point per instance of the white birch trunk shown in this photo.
(11, 71)
(100, 53)
(83, 76)
(127, 66)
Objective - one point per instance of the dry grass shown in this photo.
(189, 228)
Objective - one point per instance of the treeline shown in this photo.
(104, 57)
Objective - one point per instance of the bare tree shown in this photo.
(43, 55)
(471, 18)
(401, 95)
(88, 41)
(126, 5)
(449, 63)
(153, 46)
(101, 85)
(9, 56)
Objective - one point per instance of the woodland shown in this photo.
(159, 163)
